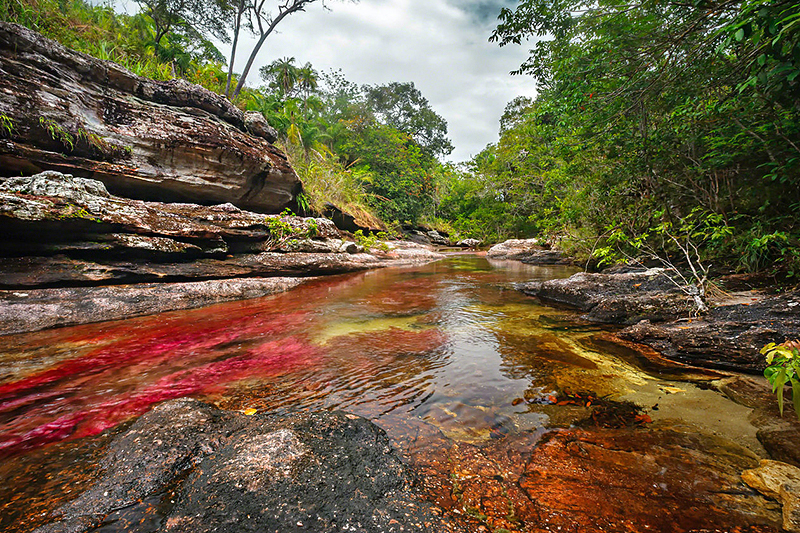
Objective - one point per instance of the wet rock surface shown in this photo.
(781, 482)
(728, 336)
(779, 434)
(31, 310)
(224, 471)
(146, 139)
(529, 251)
(658, 314)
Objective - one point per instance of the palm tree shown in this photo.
(282, 75)
(308, 80)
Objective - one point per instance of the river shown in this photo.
(448, 348)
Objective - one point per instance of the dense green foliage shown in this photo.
(648, 114)
(131, 41)
(385, 136)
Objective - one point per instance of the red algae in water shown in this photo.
(87, 395)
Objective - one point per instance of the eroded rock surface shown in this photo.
(146, 139)
(728, 337)
(779, 481)
(325, 472)
(66, 239)
(624, 298)
(32, 310)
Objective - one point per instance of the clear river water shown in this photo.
(448, 345)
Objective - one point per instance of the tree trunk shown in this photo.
(296, 6)
(236, 29)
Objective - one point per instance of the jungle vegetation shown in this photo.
(653, 121)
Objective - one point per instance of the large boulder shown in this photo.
(530, 251)
(323, 472)
(145, 139)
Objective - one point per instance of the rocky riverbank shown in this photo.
(529, 251)
(657, 313)
(72, 253)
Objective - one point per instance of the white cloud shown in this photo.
(440, 45)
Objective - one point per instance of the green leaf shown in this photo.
(796, 396)
(777, 388)
(739, 35)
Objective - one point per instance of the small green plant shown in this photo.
(7, 125)
(783, 368)
(57, 133)
(365, 241)
(281, 231)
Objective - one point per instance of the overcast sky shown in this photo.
(440, 45)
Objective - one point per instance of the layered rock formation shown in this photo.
(145, 139)
(66, 240)
(659, 314)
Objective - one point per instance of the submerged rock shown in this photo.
(146, 139)
(592, 481)
(324, 472)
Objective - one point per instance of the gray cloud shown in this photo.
(440, 45)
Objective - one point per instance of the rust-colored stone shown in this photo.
(620, 480)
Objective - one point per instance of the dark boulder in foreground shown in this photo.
(151, 140)
(227, 472)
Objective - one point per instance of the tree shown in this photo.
(202, 16)
(402, 106)
(264, 23)
(646, 112)
(239, 8)
(282, 75)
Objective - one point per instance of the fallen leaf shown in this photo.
(250, 411)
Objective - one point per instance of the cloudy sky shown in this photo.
(440, 45)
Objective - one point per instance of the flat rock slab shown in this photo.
(624, 298)
(728, 337)
(32, 310)
(227, 472)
